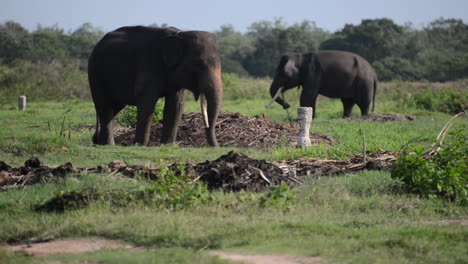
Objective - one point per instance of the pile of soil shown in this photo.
(383, 118)
(232, 129)
(230, 172)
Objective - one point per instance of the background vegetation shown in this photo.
(50, 64)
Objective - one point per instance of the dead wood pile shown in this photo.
(232, 129)
(230, 172)
(383, 118)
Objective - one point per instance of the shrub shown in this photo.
(447, 100)
(235, 88)
(127, 117)
(277, 196)
(444, 174)
(54, 81)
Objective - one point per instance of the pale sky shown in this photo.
(209, 15)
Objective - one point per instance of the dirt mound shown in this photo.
(230, 172)
(232, 129)
(383, 118)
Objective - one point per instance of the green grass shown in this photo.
(352, 218)
(60, 132)
(355, 218)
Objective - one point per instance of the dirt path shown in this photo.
(70, 246)
(76, 246)
(268, 259)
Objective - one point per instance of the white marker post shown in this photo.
(22, 103)
(304, 117)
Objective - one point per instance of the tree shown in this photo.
(233, 48)
(448, 34)
(273, 39)
(14, 41)
(82, 40)
(373, 39)
(47, 44)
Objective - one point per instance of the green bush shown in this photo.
(277, 196)
(444, 174)
(127, 117)
(53, 81)
(447, 100)
(235, 88)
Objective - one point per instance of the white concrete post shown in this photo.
(22, 103)
(304, 117)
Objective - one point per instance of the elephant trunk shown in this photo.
(275, 89)
(213, 93)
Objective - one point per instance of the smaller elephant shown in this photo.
(335, 74)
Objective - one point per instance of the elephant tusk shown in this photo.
(274, 97)
(204, 110)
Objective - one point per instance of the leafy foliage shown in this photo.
(277, 196)
(128, 116)
(372, 39)
(273, 39)
(444, 174)
(447, 100)
(44, 81)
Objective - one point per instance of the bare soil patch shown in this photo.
(76, 246)
(232, 129)
(70, 246)
(383, 118)
(267, 259)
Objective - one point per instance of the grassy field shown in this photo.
(355, 218)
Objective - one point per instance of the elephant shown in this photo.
(335, 74)
(137, 65)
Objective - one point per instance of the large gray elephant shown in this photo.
(138, 65)
(335, 74)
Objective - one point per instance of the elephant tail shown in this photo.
(373, 96)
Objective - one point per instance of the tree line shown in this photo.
(436, 52)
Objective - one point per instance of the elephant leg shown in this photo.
(105, 124)
(145, 113)
(366, 88)
(309, 99)
(105, 117)
(98, 128)
(364, 108)
(348, 104)
(173, 109)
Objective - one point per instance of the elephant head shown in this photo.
(191, 62)
(292, 71)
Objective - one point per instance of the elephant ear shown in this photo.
(173, 50)
(290, 68)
